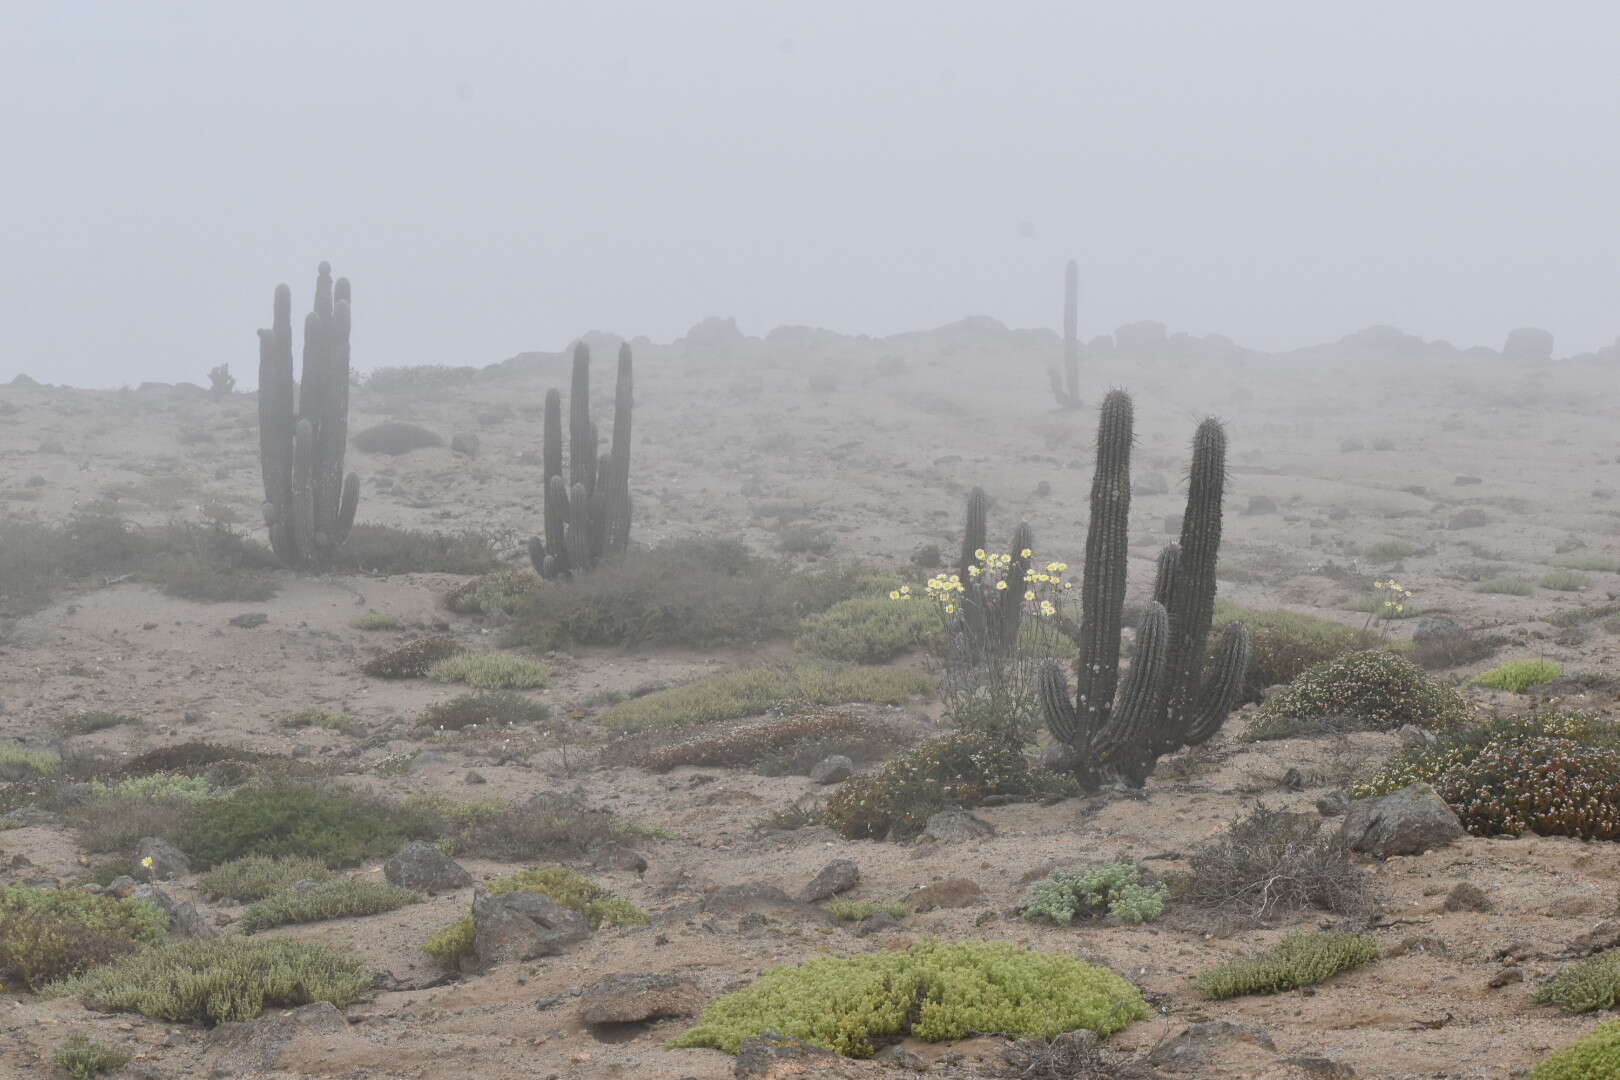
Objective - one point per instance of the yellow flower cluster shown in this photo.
(1398, 595)
(992, 568)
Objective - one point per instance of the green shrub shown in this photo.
(750, 691)
(491, 671)
(375, 620)
(1579, 616)
(254, 877)
(494, 594)
(743, 742)
(414, 659)
(338, 826)
(1554, 772)
(48, 934)
(1592, 983)
(1113, 888)
(500, 709)
(1387, 551)
(1564, 581)
(395, 437)
(802, 539)
(17, 761)
(336, 898)
(316, 716)
(155, 787)
(1287, 643)
(1596, 1057)
(220, 980)
(384, 549)
(1511, 586)
(569, 888)
(88, 723)
(865, 630)
(81, 1058)
(1602, 564)
(190, 758)
(697, 594)
(857, 910)
(1301, 958)
(1370, 690)
(933, 991)
(1520, 675)
(554, 827)
(959, 769)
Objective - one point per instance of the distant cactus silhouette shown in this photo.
(309, 505)
(220, 381)
(586, 515)
(1114, 731)
(1066, 387)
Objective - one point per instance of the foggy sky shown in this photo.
(498, 178)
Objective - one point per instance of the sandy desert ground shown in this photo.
(879, 439)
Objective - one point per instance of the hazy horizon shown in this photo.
(508, 179)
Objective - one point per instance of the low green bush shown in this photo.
(1114, 889)
(336, 825)
(335, 898)
(1520, 675)
(375, 620)
(1552, 772)
(384, 549)
(1369, 690)
(395, 437)
(48, 934)
(82, 1058)
(502, 708)
(1509, 586)
(804, 539)
(1565, 580)
(1601, 564)
(316, 716)
(961, 769)
(254, 877)
(1592, 983)
(569, 888)
(1596, 1057)
(18, 761)
(865, 630)
(696, 594)
(155, 787)
(750, 691)
(88, 723)
(933, 991)
(1287, 643)
(491, 671)
(857, 910)
(1388, 551)
(222, 979)
(414, 659)
(494, 594)
(1301, 958)
(743, 742)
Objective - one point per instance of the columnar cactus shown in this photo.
(1066, 388)
(309, 505)
(587, 515)
(1167, 701)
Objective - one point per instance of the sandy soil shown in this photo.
(880, 457)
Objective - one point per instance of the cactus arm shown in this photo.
(1225, 683)
(579, 527)
(1061, 718)
(975, 530)
(1102, 586)
(1009, 609)
(581, 448)
(303, 492)
(618, 512)
(1193, 607)
(1124, 744)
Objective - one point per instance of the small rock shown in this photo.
(1506, 977)
(420, 865)
(951, 893)
(616, 857)
(122, 886)
(1466, 896)
(1197, 1042)
(249, 620)
(832, 770)
(760, 1057)
(1604, 935)
(954, 826)
(626, 999)
(1293, 780)
(876, 924)
(167, 861)
(473, 777)
(466, 445)
(751, 898)
(522, 926)
(838, 876)
(1333, 804)
(184, 918)
(1405, 822)
(256, 1046)
(1470, 518)
(1415, 738)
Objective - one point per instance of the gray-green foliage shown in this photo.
(1593, 983)
(1112, 888)
(1301, 958)
(337, 898)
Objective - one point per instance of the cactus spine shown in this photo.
(1067, 387)
(309, 504)
(1166, 701)
(587, 515)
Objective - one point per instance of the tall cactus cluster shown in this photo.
(308, 503)
(1167, 700)
(587, 514)
(1066, 387)
(992, 616)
